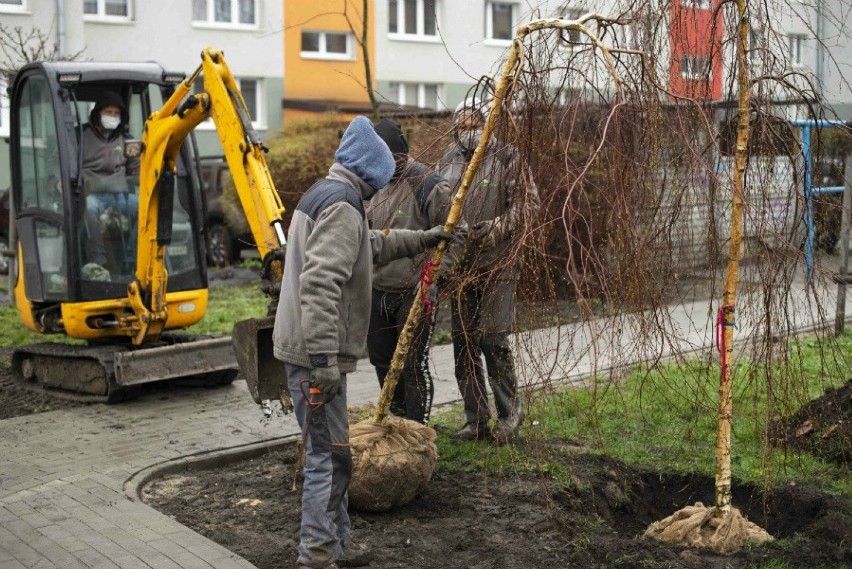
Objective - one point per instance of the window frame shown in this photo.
(399, 99)
(14, 8)
(102, 16)
(489, 23)
(5, 115)
(567, 13)
(420, 35)
(695, 72)
(210, 21)
(323, 54)
(259, 121)
(697, 4)
(795, 48)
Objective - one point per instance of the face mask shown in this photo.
(469, 139)
(110, 123)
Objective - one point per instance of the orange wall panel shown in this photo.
(325, 79)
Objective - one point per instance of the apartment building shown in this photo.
(171, 33)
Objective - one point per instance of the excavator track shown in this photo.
(113, 373)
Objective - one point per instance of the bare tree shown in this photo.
(20, 46)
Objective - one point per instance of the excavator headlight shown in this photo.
(69, 78)
(173, 77)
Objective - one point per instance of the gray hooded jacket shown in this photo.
(324, 308)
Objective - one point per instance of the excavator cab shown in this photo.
(76, 229)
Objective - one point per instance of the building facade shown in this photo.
(170, 33)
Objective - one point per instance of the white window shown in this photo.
(695, 67)
(499, 21)
(225, 13)
(13, 6)
(111, 10)
(423, 95)
(795, 43)
(413, 19)
(4, 107)
(572, 39)
(327, 45)
(252, 92)
(696, 4)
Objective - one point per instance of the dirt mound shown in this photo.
(469, 520)
(822, 427)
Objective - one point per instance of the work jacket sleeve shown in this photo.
(523, 198)
(438, 208)
(331, 252)
(390, 244)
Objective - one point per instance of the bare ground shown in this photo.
(468, 520)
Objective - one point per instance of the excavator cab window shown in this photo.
(40, 200)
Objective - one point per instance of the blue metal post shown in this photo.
(806, 126)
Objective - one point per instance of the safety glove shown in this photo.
(325, 376)
(487, 233)
(431, 237)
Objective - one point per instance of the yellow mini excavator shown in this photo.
(124, 279)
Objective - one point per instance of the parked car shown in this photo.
(228, 232)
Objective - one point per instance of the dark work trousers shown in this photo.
(412, 397)
(324, 532)
(482, 318)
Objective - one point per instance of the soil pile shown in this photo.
(822, 427)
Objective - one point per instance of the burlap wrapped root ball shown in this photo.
(392, 463)
(698, 526)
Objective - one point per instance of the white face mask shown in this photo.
(109, 122)
(469, 139)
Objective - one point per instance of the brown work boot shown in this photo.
(472, 432)
(506, 429)
(355, 555)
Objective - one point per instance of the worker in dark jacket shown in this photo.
(321, 326)
(416, 198)
(109, 174)
(498, 200)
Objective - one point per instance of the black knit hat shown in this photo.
(391, 132)
(106, 99)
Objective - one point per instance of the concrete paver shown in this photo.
(63, 473)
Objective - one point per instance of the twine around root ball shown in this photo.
(392, 463)
(698, 526)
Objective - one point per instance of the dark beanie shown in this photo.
(391, 132)
(363, 153)
(106, 99)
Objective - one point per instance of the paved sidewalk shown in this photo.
(63, 474)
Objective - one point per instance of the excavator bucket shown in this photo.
(264, 374)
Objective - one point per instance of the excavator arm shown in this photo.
(165, 132)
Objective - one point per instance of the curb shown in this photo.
(132, 487)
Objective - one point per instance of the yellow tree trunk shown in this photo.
(732, 275)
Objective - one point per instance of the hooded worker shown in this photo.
(110, 177)
(501, 196)
(321, 325)
(416, 198)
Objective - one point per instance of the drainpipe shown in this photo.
(60, 28)
(820, 49)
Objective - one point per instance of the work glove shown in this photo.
(327, 380)
(431, 237)
(486, 232)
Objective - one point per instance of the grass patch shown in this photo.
(665, 418)
(227, 305)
